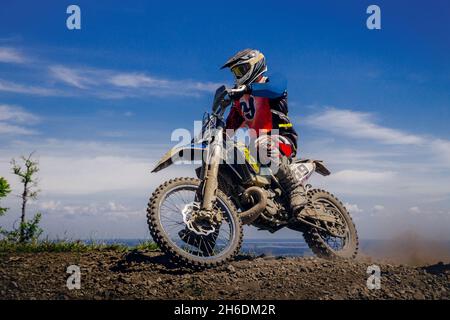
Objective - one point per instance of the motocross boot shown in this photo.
(293, 187)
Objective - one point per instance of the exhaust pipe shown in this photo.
(259, 197)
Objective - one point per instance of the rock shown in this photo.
(62, 296)
(231, 268)
(418, 295)
(43, 275)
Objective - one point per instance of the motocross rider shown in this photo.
(260, 103)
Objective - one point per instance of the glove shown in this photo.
(236, 94)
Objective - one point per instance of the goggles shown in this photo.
(241, 70)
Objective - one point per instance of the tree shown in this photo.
(26, 171)
(5, 189)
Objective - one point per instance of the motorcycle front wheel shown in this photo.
(167, 216)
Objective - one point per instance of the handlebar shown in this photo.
(222, 99)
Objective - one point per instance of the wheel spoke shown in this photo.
(334, 242)
(171, 219)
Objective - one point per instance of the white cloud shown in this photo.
(362, 176)
(110, 209)
(70, 76)
(136, 80)
(106, 83)
(360, 125)
(353, 208)
(10, 129)
(378, 208)
(114, 206)
(14, 120)
(11, 55)
(86, 184)
(140, 80)
(50, 205)
(93, 174)
(162, 86)
(442, 149)
(13, 87)
(77, 168)
(101, 83)
(414, 210)
(16, 114)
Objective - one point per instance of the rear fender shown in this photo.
(319, 166)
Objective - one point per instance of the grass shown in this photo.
(70, 246)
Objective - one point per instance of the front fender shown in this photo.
(177, 154)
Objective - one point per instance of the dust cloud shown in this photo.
(408, 248)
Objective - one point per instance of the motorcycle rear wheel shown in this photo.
(325, 245)
(181, 248)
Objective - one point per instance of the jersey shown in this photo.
(264, 109)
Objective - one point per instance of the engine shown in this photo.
(275, 216)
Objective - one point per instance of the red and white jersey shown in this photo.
(263, 114)
(253, 113)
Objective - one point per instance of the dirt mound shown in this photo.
(148, 275)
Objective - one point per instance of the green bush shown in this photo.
(69, 246)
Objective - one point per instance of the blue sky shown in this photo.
(99, 104)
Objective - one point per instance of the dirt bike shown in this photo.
(198, 222)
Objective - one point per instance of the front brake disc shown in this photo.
(189, 219)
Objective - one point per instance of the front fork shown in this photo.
(211, 171)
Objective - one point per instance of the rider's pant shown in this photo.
(277, 151)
